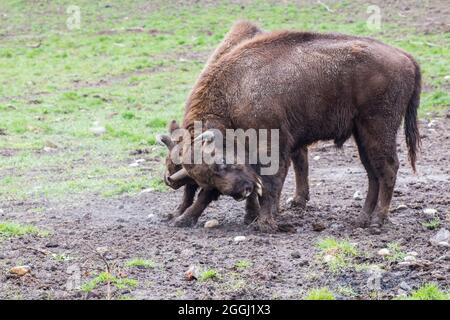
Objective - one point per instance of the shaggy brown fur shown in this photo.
(312, 87)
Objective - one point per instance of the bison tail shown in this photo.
(411, 128)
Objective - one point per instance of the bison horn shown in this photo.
(259, 187)
(178, 175)
(208, 135)
(164, 140)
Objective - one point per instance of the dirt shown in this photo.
(98, 234)
(283, 265)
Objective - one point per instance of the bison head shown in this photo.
(229, 178)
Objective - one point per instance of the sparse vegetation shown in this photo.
(105, 278)
(429, 291)
(320, 294)
(13, 229)
(140, 263)
(337, 254)
(243, 264)
(397, 254)
(209, 274)
(432, 224)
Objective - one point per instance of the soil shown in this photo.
(283, 265)
(97, 234)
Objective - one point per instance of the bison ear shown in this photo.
(173, 125)
(164, 140)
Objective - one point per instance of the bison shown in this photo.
(311, 87)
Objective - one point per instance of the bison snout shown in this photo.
(244, 192)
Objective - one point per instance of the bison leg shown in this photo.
(378, 143)
(300, 163)
(270, 200)
(387, 174)
(190, 216)
(372, 194)
(187, 201)
(251, 208)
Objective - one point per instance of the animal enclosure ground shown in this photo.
(81, 197)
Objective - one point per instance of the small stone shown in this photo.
(51, 245)
(357, 196)
(147, 190)
(20, 270)
(211, 223)
(384, 252)
(316, 158)
(318, 226)
(430, 212)
(296, 255)
(239, 238)
(409, 258)
(328, 258)
(134, 164)
(412, 253)
(140, 160)
(98, 131)
(401, 207)
(441, 238)
(152, 218)
(447, 77)
(192, 273)
(2, 211)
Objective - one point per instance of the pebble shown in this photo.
(357, 196)
(152, 218)
(316, 158)
(328, 258)
(409, 258)
(134, 164)
(405, 286)
(412, 253)
(20, 270)
(2, 211)
(296, 255)
(441, 238)
(239, 238)
(430, 212)
(211, 224)
(98, 131)
(383, 252)
(401, 207)
(192, 273)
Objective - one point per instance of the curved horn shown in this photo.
(164, 140)
(178, 175)
(208, 135)
(259, 187)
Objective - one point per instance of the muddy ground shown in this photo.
(96, 234)
(283, 265)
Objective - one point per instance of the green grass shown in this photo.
(337, 254)
(320, 294)
(140, 263)
(397, 254)
(132, 82)
(209, 274)
(432, 224)
(243, 264)
(429, 291)
(104, 278)
(13, 229)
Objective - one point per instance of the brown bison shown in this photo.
(310, 87)
(240, 31)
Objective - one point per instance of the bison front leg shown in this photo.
(300, 163)
(270, 199)
(190, 216)
(187, 201)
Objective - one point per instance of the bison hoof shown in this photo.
(250, 217)
(296, 202)
(267, 225)
(363, 221)
(184, 222)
